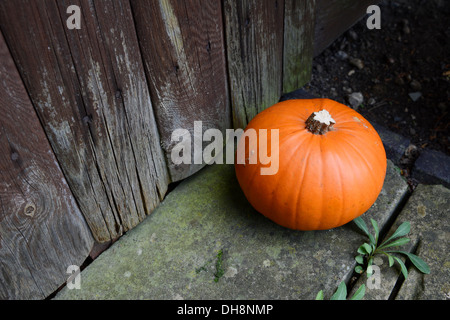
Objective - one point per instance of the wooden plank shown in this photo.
(299, 22)
(334, 17)
(91, 94)
(42, 231)
(254, 38)
(112, 79)
(183, 50)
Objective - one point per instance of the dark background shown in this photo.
(410, 54)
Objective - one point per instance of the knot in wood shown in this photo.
(30, 209)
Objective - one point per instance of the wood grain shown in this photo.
(42, 231)
(91, 94)
(334, 17)
(254, 38)
(299, 22)
(183, 50)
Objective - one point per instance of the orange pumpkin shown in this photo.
(332, 164)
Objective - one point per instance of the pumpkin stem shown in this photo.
(320, 122)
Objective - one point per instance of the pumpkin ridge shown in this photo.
(360, 139)
(301, 188)
(321, 183)
(335, 159)
(343, 202)
(371, 174)
(299, 144)
(362, 157)
(346, 160)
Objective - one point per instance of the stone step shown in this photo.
(428, 211)
(433, 167)
(205, 241)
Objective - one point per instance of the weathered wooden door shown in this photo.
(88, 115)
(90, 91)
(42, 231)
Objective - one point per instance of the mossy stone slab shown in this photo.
(428, 212)
(173, 253)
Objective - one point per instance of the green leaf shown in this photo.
(359, 259)
(397, 242)
(401, 231)
(402, 267)
(377, 230)
(372, 240)
(362, 250)
(319, 295)
(361, 224)
(391, 260)
(359, 269)
(341, 292)
(367, 247)
(421, 265)
(359, 294)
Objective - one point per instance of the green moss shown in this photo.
(203, 268)
(219, 268)
(206, 225)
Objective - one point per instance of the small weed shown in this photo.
(341, 293)
(368, 250)
(219, 268)
(204, 267)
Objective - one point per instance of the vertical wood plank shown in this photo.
(42, 231)
(299, 22)
(335, 17)
(183, 50)
(91, 94)
(254, 38)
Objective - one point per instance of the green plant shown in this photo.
(367, 251)
(204, 267)
(341, 293)
(219, 268)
